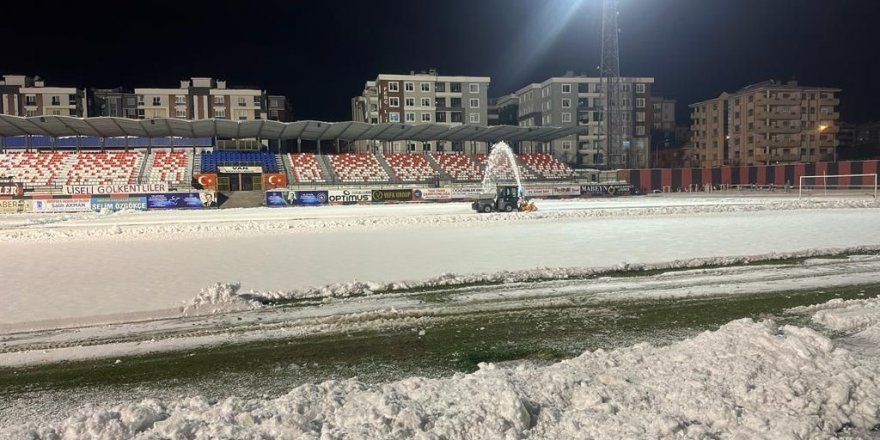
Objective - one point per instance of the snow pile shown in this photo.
(362, 288)
(844, 316)
(219, 298)
(746, 380)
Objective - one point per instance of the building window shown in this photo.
(426, 117)
(640, 130)
(625, 88)
(180, 100)
(475, 118)
(425, 87)
(440, 87)
(640, 116)
(440, 116)
(566, 145)
(474, 88)
(218, 100)
(410, 117)
(409, 87)
(409, 102)
(455, 87)
(426, 102)
(394, 117)
(220, 113)
(475, 103)
(394, 102)
(455, 117)
(56, 112)
(157, 101)
(640, 88)
(625, 102)
(56, 100)
(640, 102)
(566, 103)
(258, 101)
(394, 86)
(566, 117)
(30, 100)
(140, 113)
(566, 88)
(242, 101)
(181, 114)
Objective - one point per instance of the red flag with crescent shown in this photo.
(207, 181)
(273, 181)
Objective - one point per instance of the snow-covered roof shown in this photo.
(56, 126)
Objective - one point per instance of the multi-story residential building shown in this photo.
(278, 108)
(569, 101)
(663, 129)
(29, 96)
(766, 123)
(504, 110)
(201, 98)
(425, 97)
(113, 102)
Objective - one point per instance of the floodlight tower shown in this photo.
(612, 122)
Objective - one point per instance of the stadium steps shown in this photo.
(241, 199)
(279, 162)
(436, 166)
(287, 166)
(384, 164)
(145, 168)
(323, 161)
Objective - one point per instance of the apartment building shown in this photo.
(571, 100)
(113, 102)
(201, 98)
(22, 95)
(766, 123)
(425, 97)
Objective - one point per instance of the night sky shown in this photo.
(320, 53)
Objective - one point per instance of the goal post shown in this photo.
(838, 184)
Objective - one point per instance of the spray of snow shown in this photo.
(745, 380)
(501, 161)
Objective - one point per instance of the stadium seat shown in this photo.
(211, 160)
(306, 169)
(547, 166)
(53, 168)
(170, 166)
(460, 167)
(358, 168)
(411, 167)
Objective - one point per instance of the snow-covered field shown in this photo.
(94, 285)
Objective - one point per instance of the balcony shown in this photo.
(776, 129)
(781, 143)
(829, 101)
(785, 115)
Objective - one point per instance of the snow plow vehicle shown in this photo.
(505, 199)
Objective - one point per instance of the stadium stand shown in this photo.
(50, 168)
(546, 166)
(459, 167)
(306, 169)
(102, 168)
(410, 167)
(211, 160)
(170, 166)
(358, 168)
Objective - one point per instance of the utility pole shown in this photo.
(612, 114)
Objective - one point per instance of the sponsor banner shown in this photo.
(310, 198)
(11, 189)
(273, 181)
(538, 191)
(350, 196)
(62, 205)
(16, 206)
(567, 190)
(205, 181)
(174, 201)
(606, 189)
(145, 188)
(467, 192)
(240, 169)
(280, 198)
(432, 194)
(392, 195)
(120, 203)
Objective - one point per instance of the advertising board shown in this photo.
(310, 198)
(15, 206)
(466, 192)
(146, 188)
(438, 194)
(174, 201)
(117, 204)
(279, 198)
(240, 169)
(62, 205)
(392, 195)
(606, 189)
(350, 196)
(11, 189)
